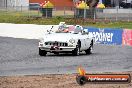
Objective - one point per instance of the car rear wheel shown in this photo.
(42, 52)
(90, 49)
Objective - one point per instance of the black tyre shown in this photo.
(90, 49)
(42, 52)
(81, 80)
(76, 51)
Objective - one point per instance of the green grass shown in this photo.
(24, 18)
(113, 25)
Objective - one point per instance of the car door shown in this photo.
(82, 44)
(88, 42)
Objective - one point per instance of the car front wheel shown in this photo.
(76, 51)
(42, 52)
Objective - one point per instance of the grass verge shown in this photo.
(19, 19)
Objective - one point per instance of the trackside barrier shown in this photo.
(106, 35)
(127, 37)
(115, 36)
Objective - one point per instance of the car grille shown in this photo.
(56, 43)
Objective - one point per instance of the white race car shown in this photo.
(66, 42)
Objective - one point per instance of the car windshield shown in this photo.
(69, 29)
(63, 28)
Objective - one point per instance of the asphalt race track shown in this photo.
(20, 57)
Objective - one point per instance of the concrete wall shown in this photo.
(117, 11)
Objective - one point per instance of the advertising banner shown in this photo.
(127, 37)
(106, 35)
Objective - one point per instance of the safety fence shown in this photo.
(111, 14)
(114, 36)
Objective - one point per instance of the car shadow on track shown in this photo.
(69, 55)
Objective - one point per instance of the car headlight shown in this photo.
(72, 41)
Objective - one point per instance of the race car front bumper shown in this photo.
(53, 48)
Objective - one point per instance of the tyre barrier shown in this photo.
(83, 78)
